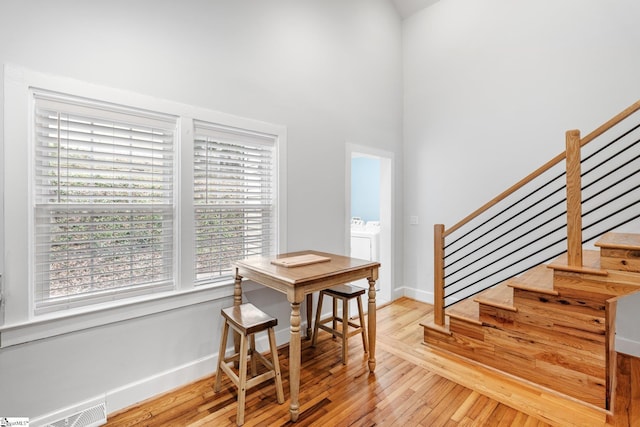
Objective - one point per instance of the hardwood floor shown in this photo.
(413, 386)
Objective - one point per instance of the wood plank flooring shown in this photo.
(413, 386)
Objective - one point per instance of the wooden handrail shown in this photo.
(611, 123)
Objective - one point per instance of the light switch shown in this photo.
(413, 220)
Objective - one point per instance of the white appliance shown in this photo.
(365, 244)
(365, 241)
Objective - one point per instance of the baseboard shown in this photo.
(152, 386)
(416, 294)
(163, 382)
(627, 346)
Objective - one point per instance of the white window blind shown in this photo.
(104, 201)
(234, 198)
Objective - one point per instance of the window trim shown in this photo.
(20, 324)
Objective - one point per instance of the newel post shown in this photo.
(438, 274)
(574, 199)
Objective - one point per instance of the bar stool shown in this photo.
(247, 320)
(344, 293)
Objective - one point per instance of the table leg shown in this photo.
(372, 324)
(309, 314)
(294, 361)
(237, 300)
(237, 290)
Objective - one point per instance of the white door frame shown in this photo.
(386, 213)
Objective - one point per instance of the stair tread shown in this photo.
(590, 263)
(619, 241)
(429, 323)
(466, 309)
(499, 296)
(538, 279)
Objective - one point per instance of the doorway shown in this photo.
(369, 202)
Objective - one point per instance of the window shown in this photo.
(104, 202)
(122, 205)
(233, 198)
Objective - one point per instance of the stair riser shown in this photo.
(593, 307)
(620, 259)
(596, 289)
(578, 317)
(579, 325)
(547, 352)
(471, 330)
(460, 344)
(495, 316)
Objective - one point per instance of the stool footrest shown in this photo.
(232, 375)
(260, 379)
(338, 332)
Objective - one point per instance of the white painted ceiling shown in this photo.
(407, 8)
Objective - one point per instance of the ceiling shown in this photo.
(407, 8)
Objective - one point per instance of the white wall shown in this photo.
(330, 71)
(627, 332)
(490, 88)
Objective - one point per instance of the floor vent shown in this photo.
(90, 417)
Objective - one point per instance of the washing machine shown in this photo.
(365, 243)
(365, 240)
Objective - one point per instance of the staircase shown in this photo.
(553, 325)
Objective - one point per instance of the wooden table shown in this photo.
(300, 281)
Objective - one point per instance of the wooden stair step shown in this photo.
(500, 296)
(538, 279)
(466, 310)
(619, 241)
(602, 286)
(620, 251)
(590, 264)
(428, 323)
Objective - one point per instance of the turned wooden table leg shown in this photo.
(371, 314)
(237, 300)
(294, 361)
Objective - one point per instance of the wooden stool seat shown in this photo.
(343, 293)
(247, 320)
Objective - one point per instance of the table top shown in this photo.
(299, 275)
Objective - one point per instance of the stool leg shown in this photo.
(317, 322)
(335, 316)
(363, 328)
(242, 383)
(221, 355)
(276, 365)
(252, 353)
(345, 329)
